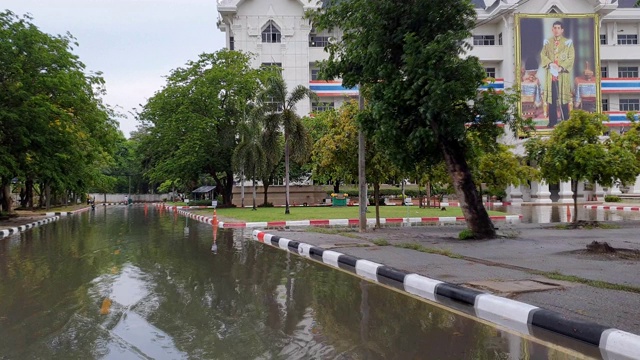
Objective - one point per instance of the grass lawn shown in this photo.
(350, 212)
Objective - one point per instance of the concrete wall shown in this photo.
(298, 194)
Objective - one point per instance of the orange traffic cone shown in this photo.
(215, 219)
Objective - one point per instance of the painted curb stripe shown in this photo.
(421, 286)
(367, 269)
(275, 240)
(522, 317)
(614, 208)
(331, 257)
(304, 250)
(622, 344)
(502, 311)
(581, 330)
(316, 253)
(284, 244)
(392, 277)
(293, 246)
(15, 230)
(458, 293)
(348, 260)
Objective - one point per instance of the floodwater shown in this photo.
(542, 214)
(131, 283)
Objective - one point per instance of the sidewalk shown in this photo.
(535, 264)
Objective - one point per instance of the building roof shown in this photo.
(204, 189)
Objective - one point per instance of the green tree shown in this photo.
(575, 153)
(54, 126)
(281, 113)
(411, 59)
(193, 120)
(250, 156)
(333, 156)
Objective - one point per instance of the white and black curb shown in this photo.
(6, 232)
(524, 318)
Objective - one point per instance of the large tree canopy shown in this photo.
(54, 128)
(410, 58)
(192, 122)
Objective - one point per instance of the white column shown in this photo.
(614, 189)
(598, 192)
(635, 189)
(581, 193)
(514, 193)
(565, 192)
(541, 214)
(540, 192)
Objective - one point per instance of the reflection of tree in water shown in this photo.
(247, 301)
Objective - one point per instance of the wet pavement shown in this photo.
(128, 283)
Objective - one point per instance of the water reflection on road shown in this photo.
(123, 283)
(542, 214)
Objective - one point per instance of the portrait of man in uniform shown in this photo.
(556, 58)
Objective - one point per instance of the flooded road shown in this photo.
(129, 283)
(542, 214)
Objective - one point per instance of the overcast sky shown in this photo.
(135, 43)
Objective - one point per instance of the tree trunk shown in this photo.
(286, 176)
(475, 214)
(427, 190)
(254, 194)
(265, 185)
(574, 185)
(6, 195)
(376, 199)
(47, 195)
(227, 196)
(29, 187)
(242, 189)
(336, 186)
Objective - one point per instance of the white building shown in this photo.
(277, 33)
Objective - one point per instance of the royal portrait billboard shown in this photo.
(557, 66)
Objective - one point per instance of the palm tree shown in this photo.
(249, 155)
(281, 114)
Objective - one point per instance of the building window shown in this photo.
(317, 107)
(491, 72)
(603, 72)
(271, 34)
(629, 39)
(605, 104)
(315, 74)
(500, 39)
(269, 64)
(603, 39)
(318, 41)
(629, 104)
(628, 72)
(232, 43)
(483, 40)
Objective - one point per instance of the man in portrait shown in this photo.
(557, 57)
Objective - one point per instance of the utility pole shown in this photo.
(362, 179)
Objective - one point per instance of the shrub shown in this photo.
(266, 205)
(466, 234)
(611, 198)
(200, 203)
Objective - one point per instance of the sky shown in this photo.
(135, 43)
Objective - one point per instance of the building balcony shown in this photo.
(619, 52)
(317, 54)
(488, 53)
